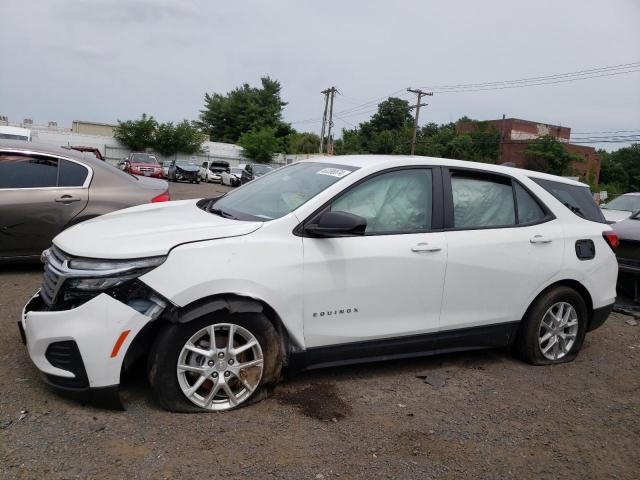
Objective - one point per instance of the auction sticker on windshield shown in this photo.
(334, 172)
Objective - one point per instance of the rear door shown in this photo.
(503, 246)
(39, 196)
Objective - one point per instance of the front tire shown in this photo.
(553, 329)
(190, 373)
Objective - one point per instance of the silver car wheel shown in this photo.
(220, 366)
(558, 331)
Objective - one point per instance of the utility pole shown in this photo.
(324, 117)
(329, 93)
(501, 140)
(417, 106)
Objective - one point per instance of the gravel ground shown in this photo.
(485, 416)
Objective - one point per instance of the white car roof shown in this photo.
(361, 161)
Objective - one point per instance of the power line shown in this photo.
(607, 71)
(505, 87)
(539, 78)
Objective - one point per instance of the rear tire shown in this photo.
(553, 328)
(171, 384)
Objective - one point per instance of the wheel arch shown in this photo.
(229, 302)
(573, 284)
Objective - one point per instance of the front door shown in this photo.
(387, 283)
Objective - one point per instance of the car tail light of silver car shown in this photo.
(163, 197)
(612, 239)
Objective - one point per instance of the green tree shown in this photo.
(260, 144)
(227, 117)
(546, 154)
(182, 138)
(137, 134)
(629, 159)
(302, 143)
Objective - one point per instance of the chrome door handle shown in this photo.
(425, 247)
(540, 239)
(67, 199)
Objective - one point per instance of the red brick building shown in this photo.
(516, 135)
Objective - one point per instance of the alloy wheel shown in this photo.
(558, 331)
(220, 366)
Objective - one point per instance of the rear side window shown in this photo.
(71, 174)
(529, 210)
(19, 171)
(482, 202)
(575, 198)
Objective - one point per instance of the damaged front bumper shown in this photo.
(80, 351)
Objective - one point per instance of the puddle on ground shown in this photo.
(320, 401)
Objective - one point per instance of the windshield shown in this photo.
(236, 171)
(143, 158)
(280, 192)
(261, 169)
(628, 203)
(185, 163)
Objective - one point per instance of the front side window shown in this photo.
(275, 195)
(482, 202)
(393, 202)
(22, 171)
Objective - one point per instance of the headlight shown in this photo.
(91, 274)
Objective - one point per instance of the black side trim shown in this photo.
(599, 316)
(486, 336)
(102, 397)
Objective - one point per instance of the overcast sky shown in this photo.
(104, 60)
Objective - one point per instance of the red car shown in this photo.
(142, 164)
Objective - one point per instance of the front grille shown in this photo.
(66, 356)
(56, 262)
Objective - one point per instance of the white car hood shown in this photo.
(148, 230)
(615, 215)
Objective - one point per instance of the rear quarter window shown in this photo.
(576, 198)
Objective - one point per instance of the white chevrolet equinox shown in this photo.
(324, 262)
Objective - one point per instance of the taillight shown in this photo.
(163, 197)
(612, 239)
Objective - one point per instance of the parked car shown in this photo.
(252, 171)
(165, 168)
(324, 262)
(211, 171)
(44, 190)
(628, 254)
(621, 207)
(183, 171)
(142, 164)
(232, 177)
(14, 133)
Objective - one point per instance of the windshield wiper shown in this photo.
(575, 210)
(222, 213)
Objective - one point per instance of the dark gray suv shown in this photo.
(45, 189)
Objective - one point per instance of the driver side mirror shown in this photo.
(336, 224)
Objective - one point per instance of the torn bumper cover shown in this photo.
(80, 351)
